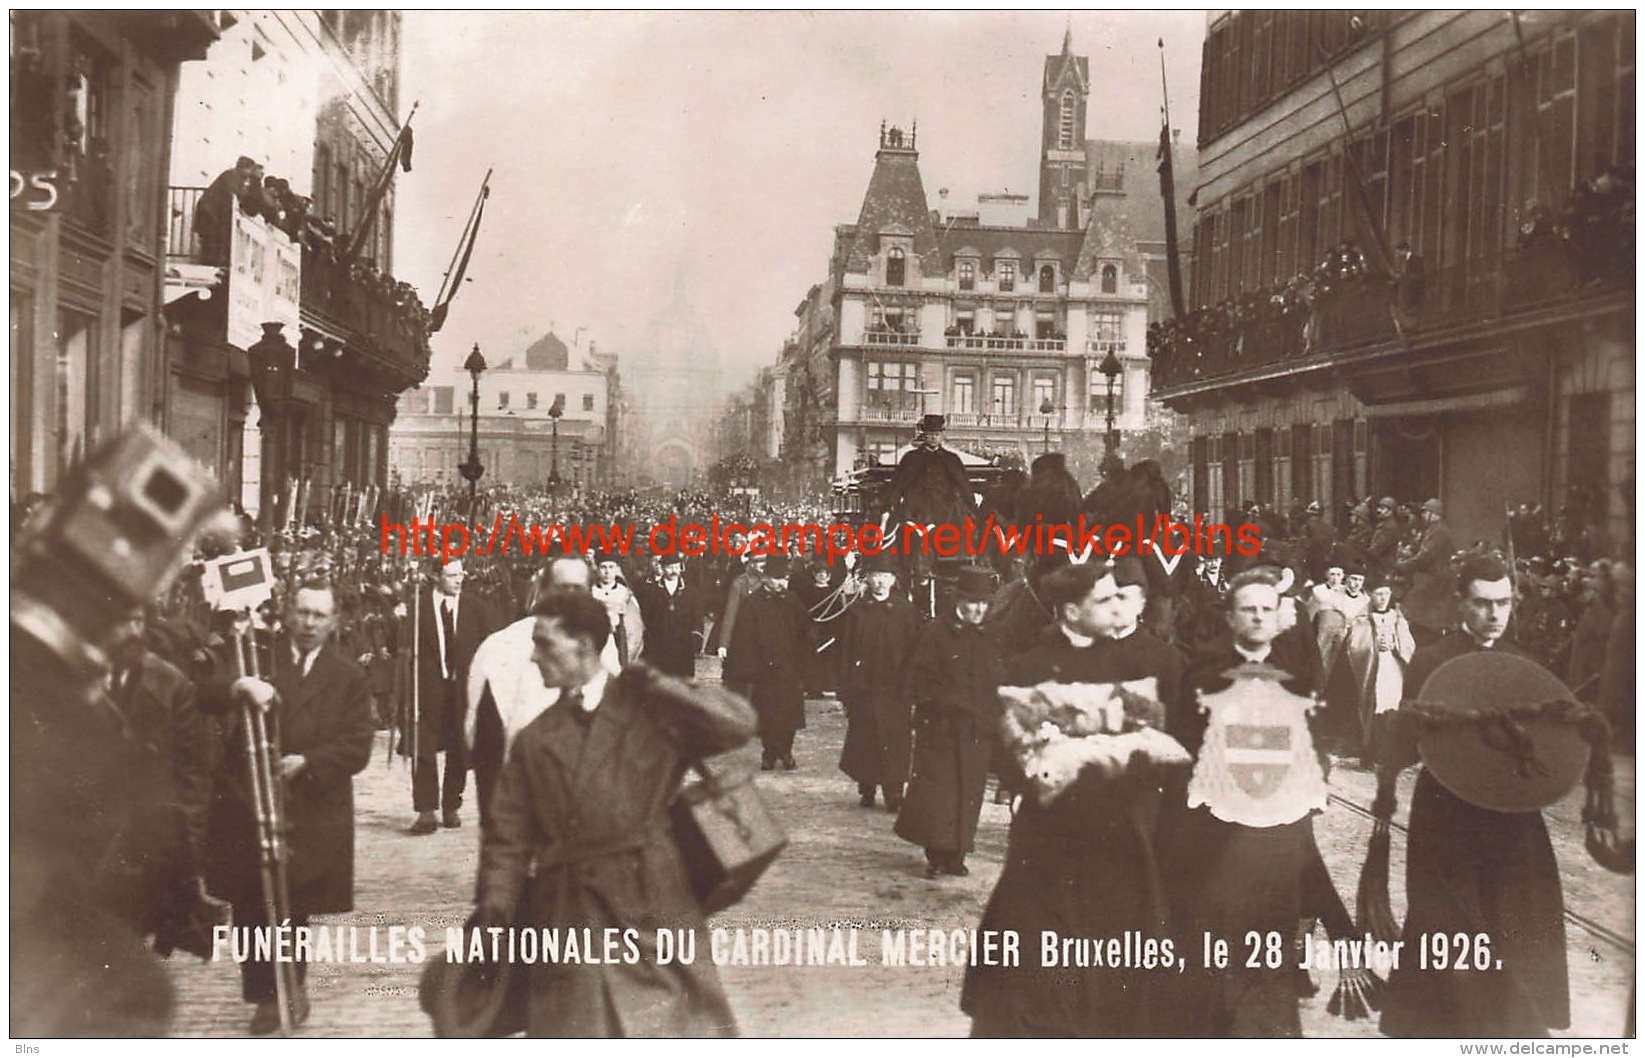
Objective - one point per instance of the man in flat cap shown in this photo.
(1429, 604)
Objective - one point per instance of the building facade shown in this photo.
(1000, 319)
(92, 106)
(1414, 265)
(546, 415)
(311, 99)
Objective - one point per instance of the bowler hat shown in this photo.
(1486, 740)
(975, 584)
(1433, 505)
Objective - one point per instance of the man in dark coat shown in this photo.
(1429, 605)
(1084, 865)
(877, 640)
(929, 486)
(672, 611)
(577, 838)
(770, 651)
(1474, 871)
(451, 625)
(321, 703)
(953, 677)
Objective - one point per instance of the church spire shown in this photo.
(1068, 37)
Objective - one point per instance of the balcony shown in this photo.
(994, 421)
(1558, 263)
(995, 343)
(382, 316)
(887, 336)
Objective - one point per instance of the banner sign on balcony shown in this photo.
(265, 281)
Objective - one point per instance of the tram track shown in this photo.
(1581, 921)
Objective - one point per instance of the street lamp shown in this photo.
(471, 470)
(1047, 409)
(555, 410)
(273, 364)
(1110, 368)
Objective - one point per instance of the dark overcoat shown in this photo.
(441, 703)
(577, 837)
(953, 679)
(673, 626)
(325, 717)
(1470, 870)
(877, 641)
(1082, 866)
(769, 655)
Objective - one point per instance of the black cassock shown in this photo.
(1470, 870)
(1085, 867)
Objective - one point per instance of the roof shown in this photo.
(895, 197)
(1026, 244)
(1137, 163)
(547, 353)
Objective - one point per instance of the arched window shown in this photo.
(1065, 122)
(1110, 279)
(1048, 279)
(895, 267)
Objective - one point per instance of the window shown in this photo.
(502, 401)
(588, 402)
(1065, 121)
(531, 401)
(968, 275)
(1048, 279)
(1005, 396)
(895, 267)
(1108, 329)
(965, 322)
(1097, 395)
(1045, 391)
(882, 452)
(962, 394)
(1007, 273)
(443, 402)
(1110, 279)
(891, 385)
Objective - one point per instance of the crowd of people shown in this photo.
(515, 666)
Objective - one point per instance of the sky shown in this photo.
(636, 151)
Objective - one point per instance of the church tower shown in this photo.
(1066, 89)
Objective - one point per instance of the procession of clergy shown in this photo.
(1157, 790)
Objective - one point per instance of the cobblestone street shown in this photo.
(845, 868)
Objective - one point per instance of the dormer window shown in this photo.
(968, 275)
(1048, 279)
(896, 267)
(1007, 273)
(1110, 279)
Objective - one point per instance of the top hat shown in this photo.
(880, 562)
(975, 584)
(1483, 749)
(932, 423)
(777, 565)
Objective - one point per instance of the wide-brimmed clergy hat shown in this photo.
(1499, 731)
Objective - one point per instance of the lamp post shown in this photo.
(555, 410)
(1110, 368)
(471, 470)
(1047, 409)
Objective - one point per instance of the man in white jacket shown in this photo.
(505, 691)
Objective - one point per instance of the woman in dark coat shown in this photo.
(770, 654)
(953, 679)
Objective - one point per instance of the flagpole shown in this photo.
(369, 215)
(1168, 191)
(453, 278)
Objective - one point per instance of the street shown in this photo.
(844, 868)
